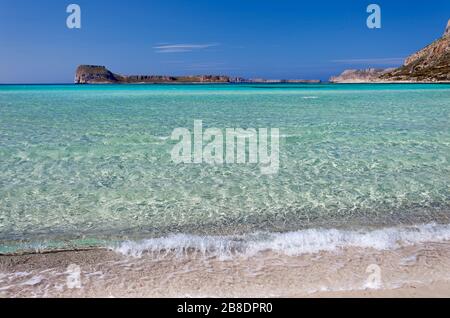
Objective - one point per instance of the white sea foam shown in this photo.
(291, 243)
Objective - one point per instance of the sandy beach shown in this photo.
(414, 271)
(224, 149)
(431, 290)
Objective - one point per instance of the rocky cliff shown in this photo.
(94, 74)
(429, 65)
(87, 74)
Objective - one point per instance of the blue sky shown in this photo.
(249, 38)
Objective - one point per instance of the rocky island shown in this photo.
(94, 74)
(429, 65)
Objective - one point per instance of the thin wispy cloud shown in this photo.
(211, 66)
(181, 48)
(373, 61)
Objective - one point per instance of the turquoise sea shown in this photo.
(91, 165)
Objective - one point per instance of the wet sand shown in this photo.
(415, 271)
(413, 290)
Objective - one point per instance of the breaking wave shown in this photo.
(291, 243)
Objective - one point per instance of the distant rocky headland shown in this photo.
(360, 76)
(429, 65)
(94, 74)
(282, 81)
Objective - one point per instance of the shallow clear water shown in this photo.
(91, 163)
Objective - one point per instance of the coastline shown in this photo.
(227, 84)
(415, 271)
(223, 155)
(384, 264)
(390, 82)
